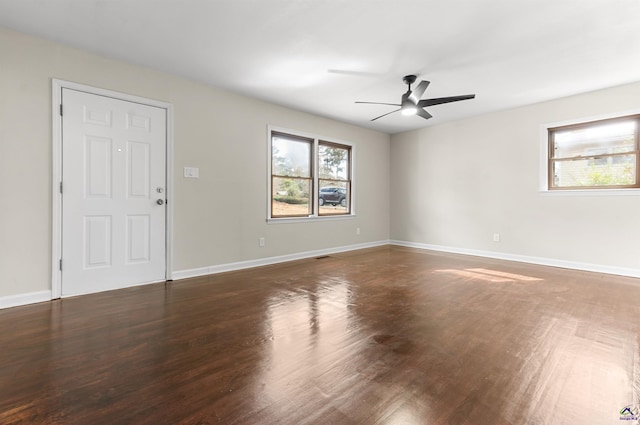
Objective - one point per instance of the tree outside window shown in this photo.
(334, 179)
(595, 155)
(303, 168)
(291, 176)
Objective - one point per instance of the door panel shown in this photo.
(139, 170)
(98, 167)
(138, 238)
(113, 172)
(97, 242)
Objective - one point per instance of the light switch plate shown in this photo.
(191, 172)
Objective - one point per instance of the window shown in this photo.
(334, 180)
(309, 177)
(291, 176)
(595, 155)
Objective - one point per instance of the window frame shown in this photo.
(348, 181)
(310, 178)
(550, 159)
(315, 141)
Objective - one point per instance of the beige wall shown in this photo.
(218, 217)
(456, 184)
(452, 185)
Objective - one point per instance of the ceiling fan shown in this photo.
(410, 104)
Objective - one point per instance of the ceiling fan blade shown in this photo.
(424, 114)
(384, 115)
(378, 103)
(417, 93)
(441, 100)
(355, 73)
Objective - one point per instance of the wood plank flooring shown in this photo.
(388, 335)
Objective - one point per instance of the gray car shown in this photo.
(333, 196)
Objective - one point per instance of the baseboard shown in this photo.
(220, 268)
(23, 299)
(42, 296)
(598, 268)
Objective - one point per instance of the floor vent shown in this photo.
(322, 257)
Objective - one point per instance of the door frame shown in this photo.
(56, 174)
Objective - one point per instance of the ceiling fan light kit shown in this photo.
(408, 110)
(410, 103)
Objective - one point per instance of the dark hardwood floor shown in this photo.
(388, 335)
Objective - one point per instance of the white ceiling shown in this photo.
(320, 56)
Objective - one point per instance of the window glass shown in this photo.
(334, 179)
(291, 176)
(333, 197)
(333, 162)
(616, 171)
(291, 157)
(596, 155)
(595, 140)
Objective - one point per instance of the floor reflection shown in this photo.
(489, 275)
(568, 365)
(306, 329)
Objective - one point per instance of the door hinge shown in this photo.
(61, 109)
(60, 187)
(60, 264)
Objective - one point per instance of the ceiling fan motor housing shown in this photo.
(409, 79)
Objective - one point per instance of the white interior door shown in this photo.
(113, 193)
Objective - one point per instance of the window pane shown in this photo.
(290, 157)
(608, 138)
(333, 162)
(608, 171)
(333, 197)
(290, 197)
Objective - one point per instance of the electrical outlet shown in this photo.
(261, 242)
(357, 230)
(496, 237)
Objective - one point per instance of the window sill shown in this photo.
(309, 219)
(591, 192)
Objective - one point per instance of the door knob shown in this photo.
(160, 201)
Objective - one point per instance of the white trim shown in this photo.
(170, 193)
(310, 219)
(543, 178)
(574, 265)
(56, 119)
(24, 299)
(56, 198)
(240, 265)
(592, 192)
(42, 296)
(544, 156)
